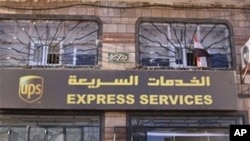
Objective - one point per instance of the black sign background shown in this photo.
(56, 89)
(239, 132)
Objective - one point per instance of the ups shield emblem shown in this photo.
(30, 88)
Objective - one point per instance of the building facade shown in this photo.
(76, 70)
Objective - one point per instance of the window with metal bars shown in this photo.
(182, 43)
(49, 41)
(50, 128)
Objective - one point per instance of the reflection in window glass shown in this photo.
(4, 134)
(37, 134)
(180, 45)
(55, 134)
(189, 134)
(74, 134)
(48, 42)
(91, 134)
(52, 128)
(18, 134)
(181, 128)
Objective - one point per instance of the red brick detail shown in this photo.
(241, 40)
(118, 38)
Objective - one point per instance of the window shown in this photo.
(45, 54)
(175, 43)
(48, 41)
(77, 55)
(180, 128)
(51, 128)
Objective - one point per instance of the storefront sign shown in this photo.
(118, 90)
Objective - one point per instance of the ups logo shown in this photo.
(30, 88)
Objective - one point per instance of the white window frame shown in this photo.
(45, 52)
(74, 55)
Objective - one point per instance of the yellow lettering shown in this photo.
(173, 99)
(24, 89)
(111, 99)
(38, 89)
(189, 100)
(101, 99)
(90, 98)
(120, 99)
(153, 99)
(71, 99)
(31, 90)
(144, 99)
(181, 99)
(130, 99)
(163, 99)
(198, 99)
(208, 100)
(80, 99)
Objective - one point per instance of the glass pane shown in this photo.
(51, 128)
(55, 134)
(223, 138)
(18, 134)
(37, 134)
(208, 138)
(169, 44)
(68, 55)
(38, 54)
(53, 58)
(189, 134)
(73, 134)
(4, 133)
(86, 55)
(54, 47)
(91, 134)
(25, 41)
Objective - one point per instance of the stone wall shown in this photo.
(119, 18)
(169, 2)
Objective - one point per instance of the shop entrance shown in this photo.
(180, 134)
(179, 127)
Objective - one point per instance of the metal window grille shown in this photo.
(50, 42)
(170, 43)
